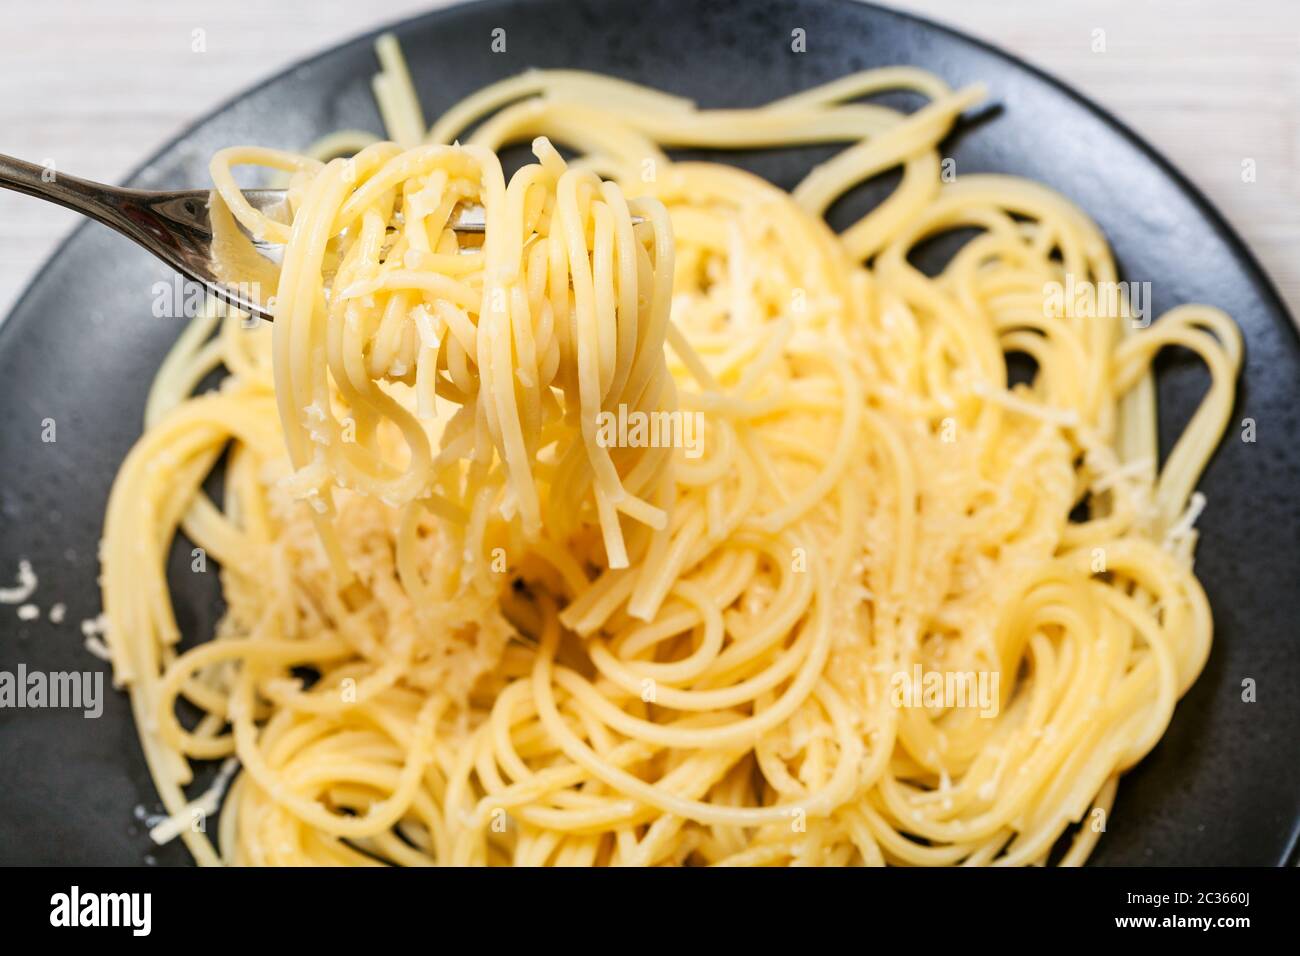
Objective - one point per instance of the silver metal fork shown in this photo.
(191, 230)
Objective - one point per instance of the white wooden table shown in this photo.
(97, 86)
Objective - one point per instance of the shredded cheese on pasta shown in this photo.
(463, 627)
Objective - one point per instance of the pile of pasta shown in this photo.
(463, 627)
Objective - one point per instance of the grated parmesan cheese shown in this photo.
(93, 630)
(169, 828)
(26, 585)
(1187, 521)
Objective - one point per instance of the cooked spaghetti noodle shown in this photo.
(466, 626)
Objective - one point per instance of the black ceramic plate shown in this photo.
(1222, 787)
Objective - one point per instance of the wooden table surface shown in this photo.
(97, 86)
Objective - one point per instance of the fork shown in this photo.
(191, 230)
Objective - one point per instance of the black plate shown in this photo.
(1223, 786)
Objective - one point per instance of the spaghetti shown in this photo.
(465, 626)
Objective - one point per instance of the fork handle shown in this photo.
(151, 219)
(103, 203)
